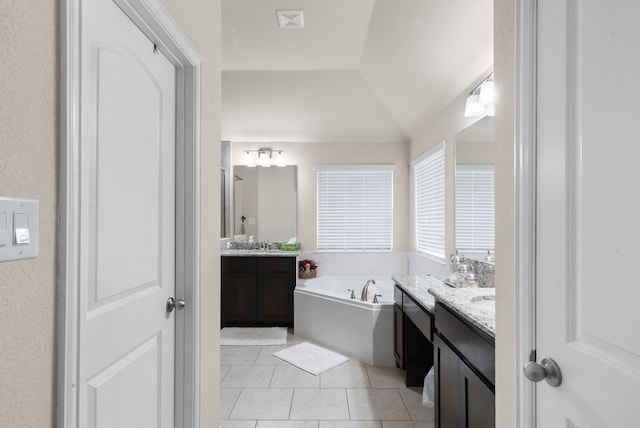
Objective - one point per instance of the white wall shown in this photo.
(307, 155)
(420, 264)
(474, 152)
(359, 263)
(29, 46)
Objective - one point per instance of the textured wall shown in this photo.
(28, 168)
(504, 45)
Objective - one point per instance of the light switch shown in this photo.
(18, 229)
(21, 228)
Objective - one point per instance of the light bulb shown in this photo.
(473, 107)
(279, 159)
(487, 94)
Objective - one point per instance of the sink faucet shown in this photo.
(365, 289)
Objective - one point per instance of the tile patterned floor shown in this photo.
(262, 391)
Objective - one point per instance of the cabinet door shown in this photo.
(398, 336)
(462, 399)
(238, 298)
(275, 298)
(448, 388)
(480, 401)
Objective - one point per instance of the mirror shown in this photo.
(265, 202)
(474, 190)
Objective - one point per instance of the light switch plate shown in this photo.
(18, 229)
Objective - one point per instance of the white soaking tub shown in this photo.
(325, 314)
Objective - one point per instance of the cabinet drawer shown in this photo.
(276, 264)
(397, 296)
(477, 349)
(419, 316)
(239, 264)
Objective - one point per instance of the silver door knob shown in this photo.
(175, 304)
(547, 370)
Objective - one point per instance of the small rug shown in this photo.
(253, 336)
(311, 358)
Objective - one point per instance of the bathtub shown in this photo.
(325, 314)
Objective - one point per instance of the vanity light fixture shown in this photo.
(487, 95)
(481, 99)
(473, 107)
(279, 158)
(264, 157)
(251, 158)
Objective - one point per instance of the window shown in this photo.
(355, 207)
(429, 201)
(475, 208)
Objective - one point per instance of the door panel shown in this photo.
(587, 237)
(127, 216)
(448, 388)
(131, 198)
(275, 297)
(117, 398)
(239, 298)
(480, 401)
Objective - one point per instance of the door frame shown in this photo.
(525, 206)
(158, 25)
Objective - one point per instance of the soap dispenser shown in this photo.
(250, 243)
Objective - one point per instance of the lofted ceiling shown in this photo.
(359, 70)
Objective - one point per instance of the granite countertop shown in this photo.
(461, 301)
(426, 290)
(259, 253)
(417, 286)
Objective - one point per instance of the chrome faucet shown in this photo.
(365, 289)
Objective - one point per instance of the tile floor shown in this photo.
(261, 391)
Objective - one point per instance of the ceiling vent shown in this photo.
(290, 18)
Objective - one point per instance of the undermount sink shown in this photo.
(486, 302)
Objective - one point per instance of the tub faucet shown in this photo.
(365, 289)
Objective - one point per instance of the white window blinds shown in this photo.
(355, 207)
(429, 202)
(475, 208)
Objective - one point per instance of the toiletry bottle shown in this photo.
(250, 244)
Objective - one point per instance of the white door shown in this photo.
(127, 225)
(588, 235)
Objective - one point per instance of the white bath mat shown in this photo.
(311, 358)
(253, 336)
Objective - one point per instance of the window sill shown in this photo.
(431, 257)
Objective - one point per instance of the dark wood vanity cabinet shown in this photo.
(398, 336)
(464, 373)
(413, 336)
(257, 291)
